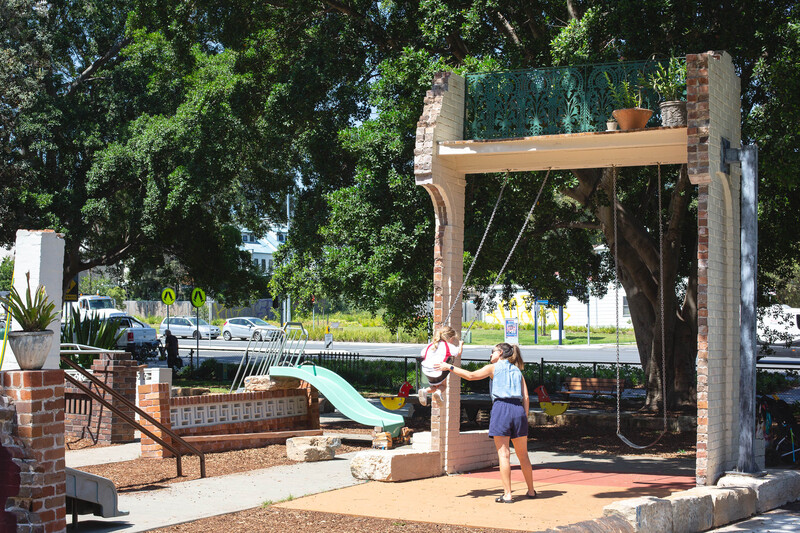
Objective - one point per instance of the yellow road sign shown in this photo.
(168, 296)
(198, 297)
(72, 291)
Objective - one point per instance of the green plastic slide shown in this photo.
(342, 396)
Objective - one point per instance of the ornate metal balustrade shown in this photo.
(550, 101)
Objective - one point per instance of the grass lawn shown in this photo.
(526, 337)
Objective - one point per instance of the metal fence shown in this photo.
(551, 101)
(385, 374)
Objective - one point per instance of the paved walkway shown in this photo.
(571, 488)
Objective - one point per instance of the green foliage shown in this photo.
(6, 273)
(670, 81)
(91, 331)
(625, 94)
(207, 370)
(769, 382)
(33, 313)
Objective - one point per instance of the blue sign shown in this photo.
(545, 302)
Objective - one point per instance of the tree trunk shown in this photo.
(636, 249)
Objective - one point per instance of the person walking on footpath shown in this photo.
(509, 417)
(171, 343)
(441, 349)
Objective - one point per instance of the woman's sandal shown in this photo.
(531, 496)
(503, 500)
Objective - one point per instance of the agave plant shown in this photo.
(91, 331)
(33, 313)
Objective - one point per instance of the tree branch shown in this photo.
(377, 30)
(98, 64)
(509, 30)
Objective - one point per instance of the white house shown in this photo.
(263, 249)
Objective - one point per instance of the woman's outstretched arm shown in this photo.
(482, 373)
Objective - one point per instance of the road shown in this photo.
(566, 353)
(231, 351)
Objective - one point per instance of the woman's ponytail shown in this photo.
(512, 353)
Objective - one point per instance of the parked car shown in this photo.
(244, 327)
(138, 338)
(187, 326)
(95, 305)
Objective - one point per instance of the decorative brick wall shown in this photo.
(713, 106)
(228, 414)
(9, 471)
(35, 441)
(88, 419)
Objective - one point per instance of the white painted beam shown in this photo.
(570, 151)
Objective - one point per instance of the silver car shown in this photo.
(187, 326)
(243, 327)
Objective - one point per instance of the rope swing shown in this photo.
(662, 378)
(510, 253)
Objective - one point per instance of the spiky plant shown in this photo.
(35, 311)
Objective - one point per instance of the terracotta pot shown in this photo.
(673, 113)
(633, 118)
(31, 348)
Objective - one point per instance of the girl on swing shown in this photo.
(440, 350)
(509, 418)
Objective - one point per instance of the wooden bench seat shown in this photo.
(607, 386)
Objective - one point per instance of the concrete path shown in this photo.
(201, 498)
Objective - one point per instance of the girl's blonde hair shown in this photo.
(512, 353)
(445, 333)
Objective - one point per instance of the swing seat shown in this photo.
(594, 386)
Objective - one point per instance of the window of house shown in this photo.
(263, 264)
(281, 237)
(626, 311)
(270, 267)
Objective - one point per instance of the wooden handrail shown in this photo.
(132, 421)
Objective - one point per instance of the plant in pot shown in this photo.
(670, 83)
(627, 97)
(33, 313)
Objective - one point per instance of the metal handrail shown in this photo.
(271, 347)
(95, 396)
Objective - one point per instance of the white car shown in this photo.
(187, 326)
(244, 327)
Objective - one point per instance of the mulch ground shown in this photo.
(152, 474)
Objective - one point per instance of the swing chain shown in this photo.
(508, 257)
(480, 246)
(661, 302)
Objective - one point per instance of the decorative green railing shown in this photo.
(549, 101)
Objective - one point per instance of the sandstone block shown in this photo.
(772, 490)
(261, 383)
(395, 465)
(310, 449)
(730, 503)
(646, 514)
(691, 511)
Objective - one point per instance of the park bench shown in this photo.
(606, 386)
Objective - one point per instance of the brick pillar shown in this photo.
(9, 471)
(154, 400)
(442, 119)
(118, 371)
(713, 106)
(38, 397)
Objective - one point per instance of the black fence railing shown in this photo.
(385, 373)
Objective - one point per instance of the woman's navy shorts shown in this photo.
(508, 419)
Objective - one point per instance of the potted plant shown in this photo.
(670, 83)
(629, 112)
(611, 124)
(34, 314)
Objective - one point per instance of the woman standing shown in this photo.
(509, 418)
